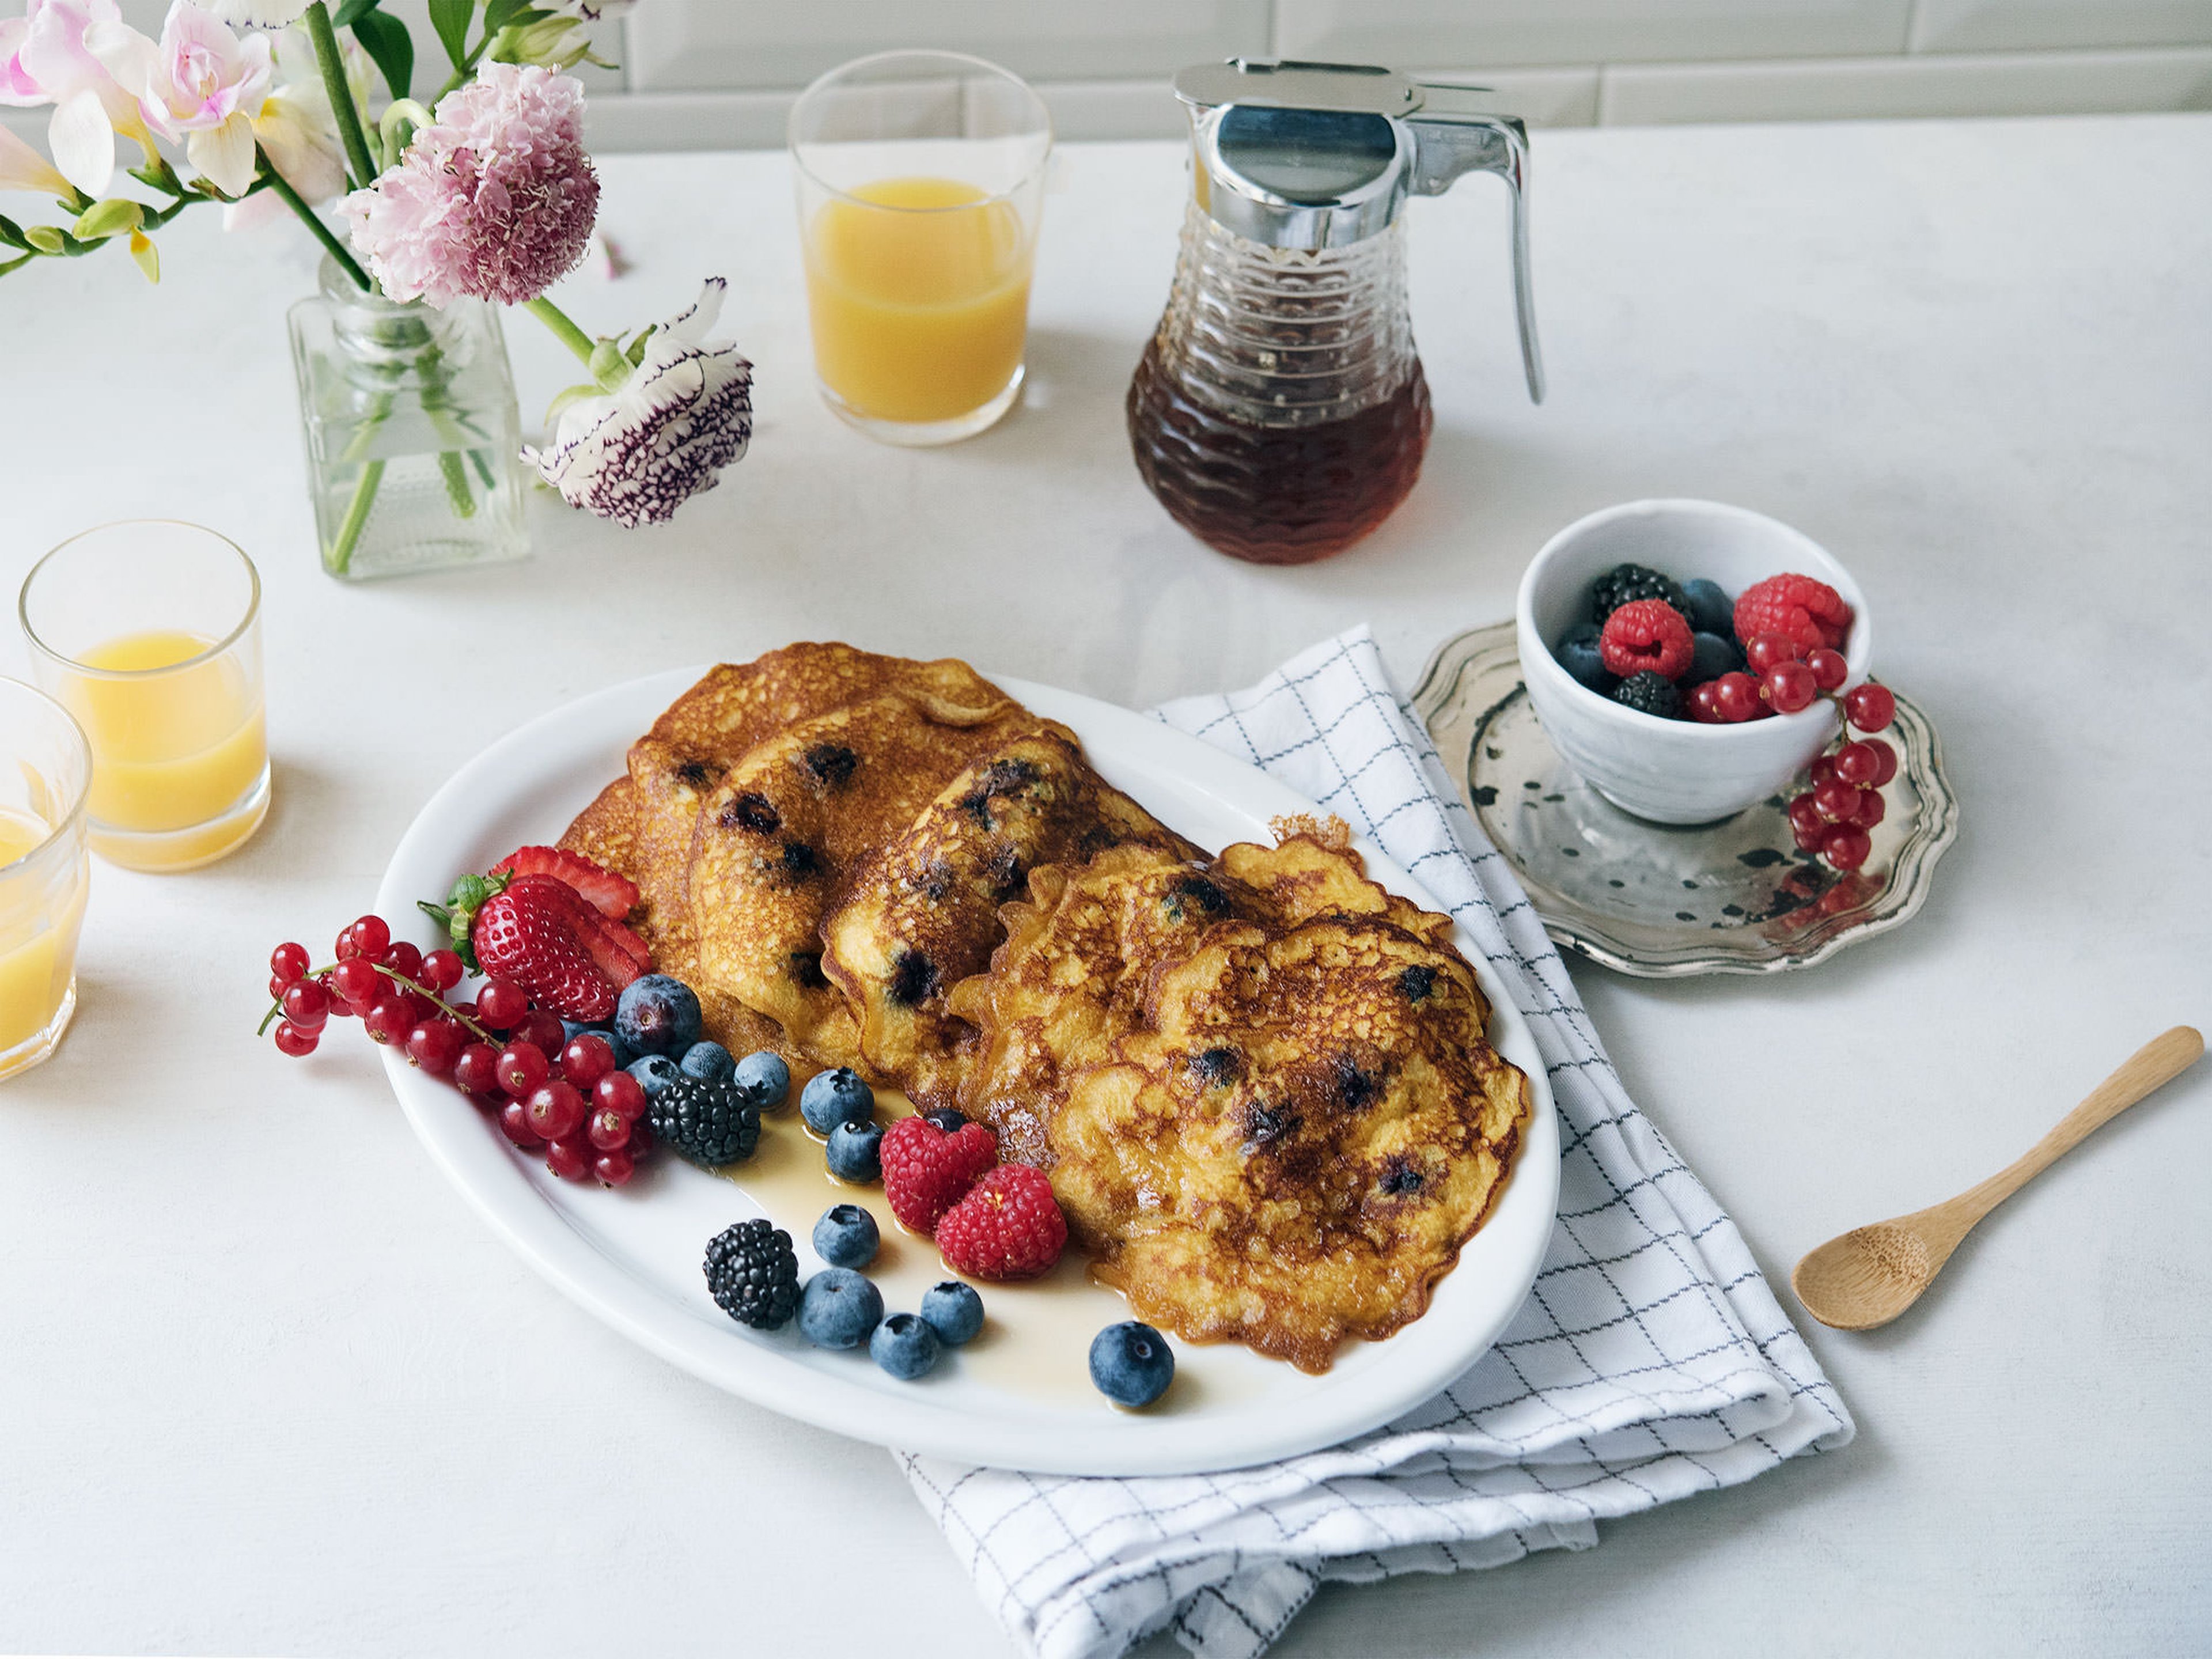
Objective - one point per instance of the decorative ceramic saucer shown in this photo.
(1659, 900)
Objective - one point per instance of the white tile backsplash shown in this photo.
(1409, 33)
(688, 45)
(1996, 25)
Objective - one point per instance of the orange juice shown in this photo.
(170, 750)
(38, 939)
(919, 302)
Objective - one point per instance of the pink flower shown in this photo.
(686, 412)
(494, 199)
(45, 59)
(200, 83)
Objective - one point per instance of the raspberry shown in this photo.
(927, 1172)
(1647, 635)
(1009, 1226)
(1625, 583)
(1812, 613)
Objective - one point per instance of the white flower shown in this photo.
(686, 412)
(200, 83)
(258, 14)
(46, 58)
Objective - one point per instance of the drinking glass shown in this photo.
(920, 182)
(149, 633)
(46, 773)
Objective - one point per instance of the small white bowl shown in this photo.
(1672, 771)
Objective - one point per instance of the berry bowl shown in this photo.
(1673, 771)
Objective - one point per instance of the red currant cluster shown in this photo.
(1833, 817)
(1784, 677)
(551, 1092)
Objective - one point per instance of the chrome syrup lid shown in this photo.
(1321, 155)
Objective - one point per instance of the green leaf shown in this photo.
(11, 232)
(352, 12)
(386, 39)
(498, 14)
(451, 19)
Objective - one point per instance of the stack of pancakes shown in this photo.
(1261, 1084)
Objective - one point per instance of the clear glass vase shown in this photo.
(414, 438)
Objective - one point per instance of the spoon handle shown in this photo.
(2164, 1057)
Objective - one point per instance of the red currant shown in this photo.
(436, 1047)
(1871, 808)
(502, 1004)
(1856, 765)
(277, 986)
(515, 1124)
(1822, 768)
(289, 961)
(1736, 697)
(620, 1092)
(1884, 758)
(1765, 651)
(371, 937)
(556, 1110)
(1836, 801)
(1847, 848)
(1869, 707)
(441, 970)
(340, 1008)
(522, 1068)
(541, 1031)
(609, 1130)
(1806, 824)
(614, 1167)
(566, 1159)
(587, 1057)
(477, 1069)
(1704, 703)
(641, 1139)
(307, 1005)
(1829, 668)
(389, 1020)
(1789, 686)
(357, 981)
(291, 1040)
(405, 960)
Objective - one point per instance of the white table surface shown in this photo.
(269, 1386)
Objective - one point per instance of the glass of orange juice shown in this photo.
(46, 774)
(149, 633)
(921, 179)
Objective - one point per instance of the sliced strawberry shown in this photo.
(533, 934)
(614, 948)
(610, 894)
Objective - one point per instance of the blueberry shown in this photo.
(1131, 1362)
(1708, 608)
(905, 1345)
(950, 1119)
(846, 1237)
(1578, 654)
(709, 1062)
(766, 1078)
(653, 1073)
(623, 1053)
(838, 1309)
(833, 1097)
(658, 1015)
(954, 1312)
(1715, 655)
(855, 1152)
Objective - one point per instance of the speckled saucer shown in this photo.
(1732, 897)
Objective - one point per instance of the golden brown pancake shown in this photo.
(921, 913)
(788, 826)
(1294, 1148)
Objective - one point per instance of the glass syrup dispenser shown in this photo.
(1279, 412)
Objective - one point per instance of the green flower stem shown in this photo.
(313, 221)
(340, 557)
(341, 95)
(456, 476)
(564, 330)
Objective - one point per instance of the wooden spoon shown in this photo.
(1871, 1274)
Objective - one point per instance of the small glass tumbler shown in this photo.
(921, 182)
(148, 632)
(45, 774)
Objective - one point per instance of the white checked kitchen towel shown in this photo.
(1651, 1362)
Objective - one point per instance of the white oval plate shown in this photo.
(632, 1256)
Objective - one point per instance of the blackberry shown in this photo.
(710, 1123)
(753, 1275)
(1653, 694)
(1624, 582)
